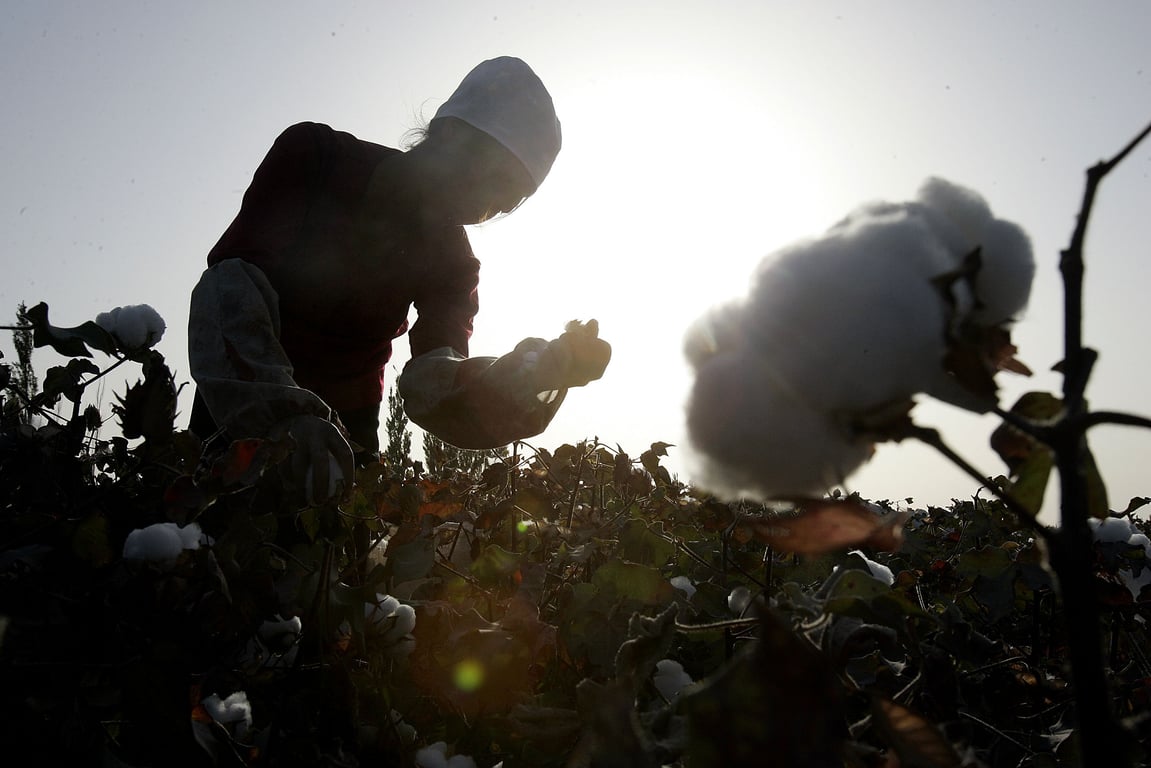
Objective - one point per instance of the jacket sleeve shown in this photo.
(478, 402)
(235, 355)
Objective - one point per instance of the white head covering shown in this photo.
(505, 99)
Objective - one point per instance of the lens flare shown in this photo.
(468, 675)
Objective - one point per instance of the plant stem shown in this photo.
(932, 437)
(1102, 740)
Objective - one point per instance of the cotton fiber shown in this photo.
(836, 329)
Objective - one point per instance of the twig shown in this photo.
(1103, 741)
(714, 625)
(1096, 418)
(932, 437)
(998, 732)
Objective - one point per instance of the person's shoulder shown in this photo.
(306, 130)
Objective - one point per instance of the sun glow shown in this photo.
(667, 194)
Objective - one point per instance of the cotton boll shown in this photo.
(273, 632)
(156, 542)
(877, 570)
(233, 712)
(738, 600)
(1140, 540)
(720, 330)
(963, 208)
(1111, 529)
(389, 619)
(134, 327)
(435, 756)
(161, 542)
(1003, 283)
(840, 327)
(683, 584)
(751, 437)
(378, 612)
(670, 679)
(853, 320)
(191, 536)
(404, 621)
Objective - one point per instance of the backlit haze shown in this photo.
(698, 138)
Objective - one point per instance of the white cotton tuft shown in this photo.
(877, 570)
(836, 328)
(683, 584)
(389, 619)
(1007, 266)
(1111, 529)
(233, 712)
(1141, 540)
(435, 756)
(738, 600)
(134, 327)
(161, 542)
(758, 440)
(670, 679)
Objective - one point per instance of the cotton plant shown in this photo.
(125, 334)
(797, 381)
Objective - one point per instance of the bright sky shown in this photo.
(698, 138)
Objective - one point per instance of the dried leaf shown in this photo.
(830, 525)
(917, 741)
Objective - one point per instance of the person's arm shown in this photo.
(486, 402)
(245, 377)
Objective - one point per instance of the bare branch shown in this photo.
(932, 437)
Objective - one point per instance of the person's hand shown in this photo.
(577, 357)
(321, 466)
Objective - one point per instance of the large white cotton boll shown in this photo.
(854, 319)
(752, 438)
(1111, 529)
(836, 328)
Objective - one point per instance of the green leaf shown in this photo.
(650, 457)
(643, 545)
(412, 559)
(1038, 406)
(495, 565)
(777, 703)
(90, 542)
(1032, 477)
(70, 342)
(1097, 504)
(66, 379)
(632, 581)
(534, 502)
(649, 640)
